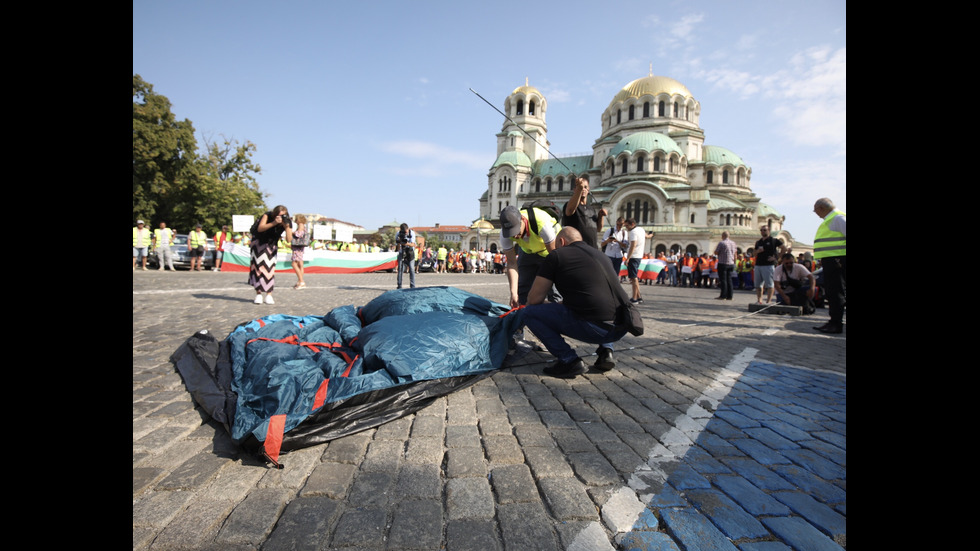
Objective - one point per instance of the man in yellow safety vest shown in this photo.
(830, 248)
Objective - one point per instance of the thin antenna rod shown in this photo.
(521, 129)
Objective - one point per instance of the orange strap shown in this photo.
(512, 310)
(273, 436)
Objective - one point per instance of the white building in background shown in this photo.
(650, 163)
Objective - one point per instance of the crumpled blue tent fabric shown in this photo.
(283, 382)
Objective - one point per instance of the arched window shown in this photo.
(549, 185)
(692, 218)
(561, 183)
(530, 107)
(520, 107)
(672, 170)
(631, 113)
(612, 168)
(711, 175)
(641, 164)
(656, 164)
(675, 109)
(724, 176)
(646, 109)
(660, 109)
(625, 163)
(619, 116)
(728, 220)
(537, 186)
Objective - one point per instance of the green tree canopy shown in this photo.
(176, 184)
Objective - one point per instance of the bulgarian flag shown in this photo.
(315, 261)
(650, 267)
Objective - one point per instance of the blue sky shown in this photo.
(362, 111)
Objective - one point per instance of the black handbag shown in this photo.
(627, 314)
(301, 241)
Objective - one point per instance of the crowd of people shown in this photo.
(557, 268)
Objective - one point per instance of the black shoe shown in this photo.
(636, 300)
(605, 361)
(567, 370)
(831, 328)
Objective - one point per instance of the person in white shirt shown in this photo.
(615, 241)
(637, 240)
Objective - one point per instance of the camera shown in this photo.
(286, 221)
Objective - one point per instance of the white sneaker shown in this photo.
(258, 299)
(268, 299)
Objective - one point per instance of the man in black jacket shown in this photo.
(587, 313)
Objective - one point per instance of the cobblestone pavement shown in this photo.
(718, 429)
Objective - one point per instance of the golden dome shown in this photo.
(526, 89)
(653, 86)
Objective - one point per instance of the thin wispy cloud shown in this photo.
(433, 155)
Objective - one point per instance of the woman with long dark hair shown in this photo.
(265, 245)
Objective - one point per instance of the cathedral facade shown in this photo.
(649, 163)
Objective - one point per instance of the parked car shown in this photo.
(181, 255)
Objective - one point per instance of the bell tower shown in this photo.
(526, 106)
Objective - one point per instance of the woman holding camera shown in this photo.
(262, 268)
(298, 246)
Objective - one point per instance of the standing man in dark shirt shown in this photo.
(765, 263)
(582, 216)
(587, 313)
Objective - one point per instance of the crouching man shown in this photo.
(579, 272)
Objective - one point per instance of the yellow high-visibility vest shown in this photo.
(827, 242)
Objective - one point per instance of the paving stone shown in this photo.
(694, 531)
(416, 525)
(545, 462)
(333, 480)
(253, 519)
(373, 489)
(726, 515)
(817, 514)
(503, 449)
(469, 498)
(470, 534)
(513, 483)
(811, 484)
(359, 527)
(799, 534)
(424, 449)
(419, 482)
(750, 497)
(194, 472)
(594, 469)
(460, 436)
(349, 449)
(647, 541)
(568, 500)
(465, 462)
(526, 526)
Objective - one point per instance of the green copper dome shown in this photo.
(513, 158)
(720, 156)
(648, 142)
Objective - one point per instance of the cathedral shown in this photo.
(649, 163)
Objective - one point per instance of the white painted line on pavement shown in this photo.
(632, 499)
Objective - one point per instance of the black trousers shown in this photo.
(835, 286)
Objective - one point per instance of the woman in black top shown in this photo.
(265, 247)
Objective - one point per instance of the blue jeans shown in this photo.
(549, 321)
(411, 270)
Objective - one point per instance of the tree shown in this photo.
(163, 148)
(226, 183)
(174, 183)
